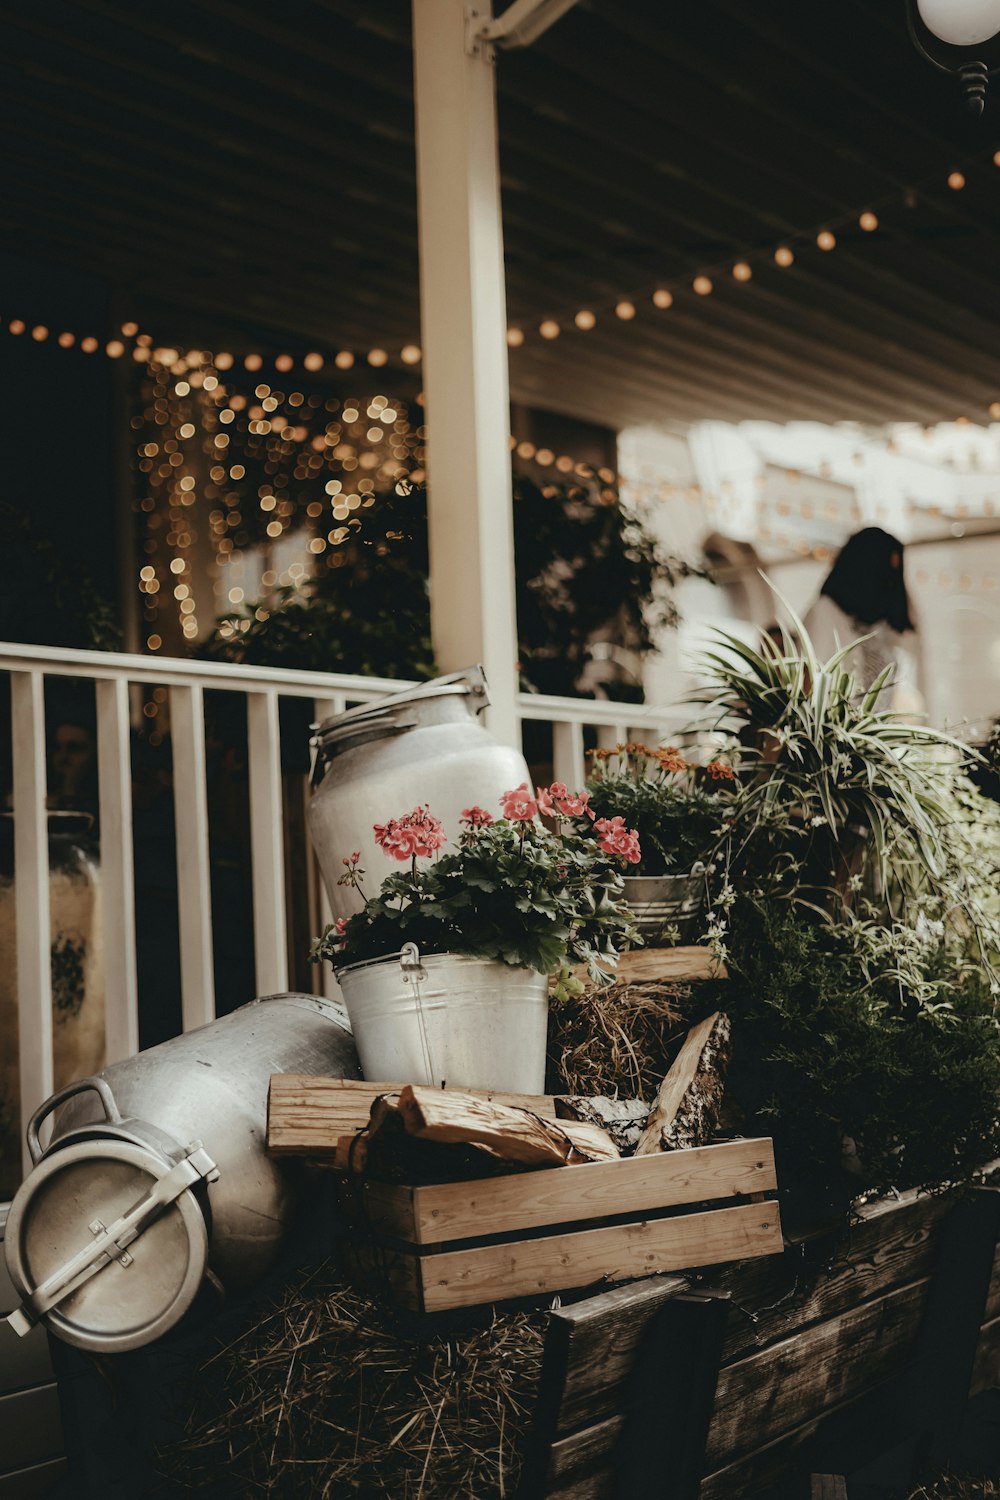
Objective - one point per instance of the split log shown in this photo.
(687, 1107)
(623, 1119)
(306, 1115)
(664, 964)
(512, 1134)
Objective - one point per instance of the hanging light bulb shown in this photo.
(961, 37)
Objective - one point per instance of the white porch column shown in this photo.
(464, 325)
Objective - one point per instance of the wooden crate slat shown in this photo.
(590, 1349)
(467, 1210)
(584, 1451)
(306, 1114)
(785, 1296)
(768, 1394)
(599, 1485)
(993, 1298)
(525, 1268)
(986, 1370)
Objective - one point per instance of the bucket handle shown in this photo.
(412, 971)
(100, 1087)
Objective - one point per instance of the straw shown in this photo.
(324, 1397)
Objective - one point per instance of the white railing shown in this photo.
(115, 678)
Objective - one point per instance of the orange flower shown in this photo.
(720, 770)
(671, 759)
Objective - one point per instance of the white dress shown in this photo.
(830, 628)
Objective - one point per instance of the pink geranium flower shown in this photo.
(476, 817)
(416, 833)
(556, 801)
(614, 838)
(519, 805)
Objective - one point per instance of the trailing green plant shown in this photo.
(863, 1045)
(677, 808)
(511, 890)
(838, 796)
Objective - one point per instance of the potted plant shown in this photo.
(445, 970)
(679, 810)
(831, 788)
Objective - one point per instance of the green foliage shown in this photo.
(836, 795)
(510, 891)
(366, 612)
(677, 809)
(584, 567)
(49, 597)
(871, 1032)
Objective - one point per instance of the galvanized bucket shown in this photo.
(445, 1019)
(666, 908)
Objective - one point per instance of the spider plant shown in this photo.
(823, 766)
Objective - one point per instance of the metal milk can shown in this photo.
(157, 1177)
(420, 746)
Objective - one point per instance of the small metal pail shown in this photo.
(666, 908)
(446, 1019)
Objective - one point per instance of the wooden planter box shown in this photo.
(847, 1352)
(467, 1243)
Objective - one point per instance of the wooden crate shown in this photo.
(467, 1243)
(307, 1115)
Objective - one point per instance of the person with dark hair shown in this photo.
(864, 599)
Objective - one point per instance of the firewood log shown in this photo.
(623, 1119)
(513, 1134)
(687, 1107)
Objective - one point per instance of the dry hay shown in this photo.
(954, 1487)
(620, 1039)
(325, 1398)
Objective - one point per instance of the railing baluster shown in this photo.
(194, 880)
(567, 753)
(31, 875)
(325, 983)
(266, 843)
(121, 1003)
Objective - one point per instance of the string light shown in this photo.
(783, 256)
(284, 363)
(956, 181)
(662, 298)
(15, 326)
(344, 360)
(39, 333)
(410, 354)
(868, 222)
(549, 329)
(625, 311)
(515, 338)
(702, 285)
(377, 358)
(826, 239)
(585, 319)
(741, 271)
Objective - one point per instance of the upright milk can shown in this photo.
(157, 1178)
(422, 746)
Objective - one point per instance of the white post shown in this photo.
(464, 326)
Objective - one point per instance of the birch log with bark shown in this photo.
(687, 1107)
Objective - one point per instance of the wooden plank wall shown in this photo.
(31, 1437)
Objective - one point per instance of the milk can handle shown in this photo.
(103, 1091)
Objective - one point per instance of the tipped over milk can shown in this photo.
(157, 1179)
(422, 746)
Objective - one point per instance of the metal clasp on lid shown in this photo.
(110, 1244)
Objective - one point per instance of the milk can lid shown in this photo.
(384, 714)
(100, 1293)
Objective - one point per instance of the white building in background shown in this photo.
(783, 499)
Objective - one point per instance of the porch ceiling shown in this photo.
(248, 176)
